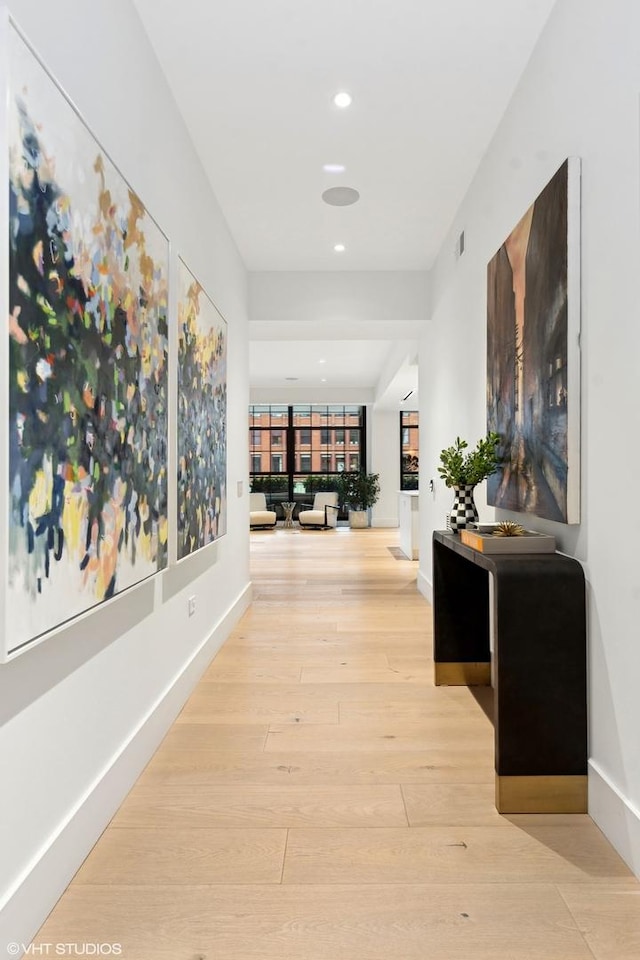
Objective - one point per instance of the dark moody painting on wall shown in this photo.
(533, 370)
(87, 340)
(202, 417)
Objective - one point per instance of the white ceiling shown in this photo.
(348, 365)
(254, 80)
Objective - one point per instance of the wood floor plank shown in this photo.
(455, 702)
(221, 737)
(276, 629)
(373, 922)
(284, 673)
(262, 707)
(411, 692)
(299, 630)
(350, 674)
(317, 657)
(382, 735)
(494, 854)
(244, 805)
(436, 765)
(143, 855)
(608, 917)
(446, 804)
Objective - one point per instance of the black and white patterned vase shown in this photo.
(463, 511)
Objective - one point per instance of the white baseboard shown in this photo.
(60, 857)
(385, 522)
(616, 816)
(425, 587)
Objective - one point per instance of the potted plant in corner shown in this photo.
(462, 469)
(358, 491)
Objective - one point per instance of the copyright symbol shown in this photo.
(13, 949)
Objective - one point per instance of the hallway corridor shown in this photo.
(319, 799)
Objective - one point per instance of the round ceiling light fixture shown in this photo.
(339, 248)
(340, 196)
(343, 99)
(334, 168)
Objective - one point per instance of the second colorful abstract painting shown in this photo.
(202, 418)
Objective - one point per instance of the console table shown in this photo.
(539, 669)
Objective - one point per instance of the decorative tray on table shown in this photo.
(483, 538)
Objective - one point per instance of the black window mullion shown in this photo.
(291, 454)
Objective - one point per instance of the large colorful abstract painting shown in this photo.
(533, 364)
(202, 418)
(86, 366)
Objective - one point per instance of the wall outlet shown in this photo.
(192, 606)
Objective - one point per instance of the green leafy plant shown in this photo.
(269, 484)
(359, 490)
(321, 482)
(460, 467)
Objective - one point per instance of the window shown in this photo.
(267, 440)
(409, 450)
(296, 451)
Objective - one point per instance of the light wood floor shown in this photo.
(320, 799)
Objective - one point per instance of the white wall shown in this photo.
(333, 301)
(579, 96)
(385, 461)
(81, 713)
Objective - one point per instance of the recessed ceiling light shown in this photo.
(323, 379)
(343, 99)
(340, 196)
(334, 168)
(322, 361)
(339, 248)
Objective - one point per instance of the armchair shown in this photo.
(259, 516)
(323, 513)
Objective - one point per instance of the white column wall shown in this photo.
(579, 96)
(385, 460)
(81, 713)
